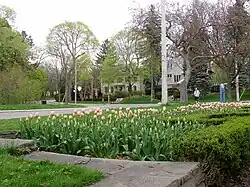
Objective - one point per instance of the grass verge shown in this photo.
(17, 172)
(9, 124)
(36, 106)
(138, 100)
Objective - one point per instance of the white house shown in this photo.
(121, 85)
(174, 77)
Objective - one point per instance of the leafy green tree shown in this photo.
(103, 52)
(13, 50)
(127, 43)
(96, 68)
(110, 69)
(17, 86)
(69, 41)
(201, 78)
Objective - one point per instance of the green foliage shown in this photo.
(209, 118)
(103, 52)
(131, 134)
(84, 67)
(110, 69)
(146, 22)
(13, 49)
(121, 94)
(17, 87)
(36, 106)
(137, 99)
(223, 150)
(171, 91)
(201, 79)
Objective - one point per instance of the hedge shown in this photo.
(208, 118)
(222, 150)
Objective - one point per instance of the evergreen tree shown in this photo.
(96, 69)
(147, 23)
(110, 68)
(201, 79)
(103, 52)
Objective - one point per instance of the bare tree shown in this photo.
(127, 43)
(228, 38)
(187, 25)
(68, 42)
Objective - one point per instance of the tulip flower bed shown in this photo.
(217, 135)
(136, 135)
(124, 133)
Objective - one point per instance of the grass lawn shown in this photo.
(138, 100)
(90, 102)
(215, 97)
(36, 106)
(15, 172)
(9, 124)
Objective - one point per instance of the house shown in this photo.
(121, 85)
(174, 78)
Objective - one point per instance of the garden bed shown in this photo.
(217, 135)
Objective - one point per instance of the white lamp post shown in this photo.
(164, 85)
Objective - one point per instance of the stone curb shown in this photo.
(125, 173)
(8, 143)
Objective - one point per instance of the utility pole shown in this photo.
(237, 83)
(164, 85)
(75, 82)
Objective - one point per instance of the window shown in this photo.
(170, 65)
(134, 87)
(169, 75)
(112, 89)
(177, 78)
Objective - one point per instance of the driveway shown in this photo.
(9, 114)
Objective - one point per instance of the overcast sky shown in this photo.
(104, 17)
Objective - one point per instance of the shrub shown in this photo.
(121, 94)
(17, 86)
(137, 93)
(207, 118)
(111, 96)
(158, 95)
(61, 97)
(171, 91)
(222, 150)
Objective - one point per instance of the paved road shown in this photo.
(9, 114)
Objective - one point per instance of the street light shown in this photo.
(79, 88)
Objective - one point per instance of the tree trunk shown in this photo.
(229, 86)
(81, 95)
(152, 86)
(183, 92)
(67, 89)
(70, 89)
(108, 94)
(92, 89)
(184, 83)
(130, 90)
